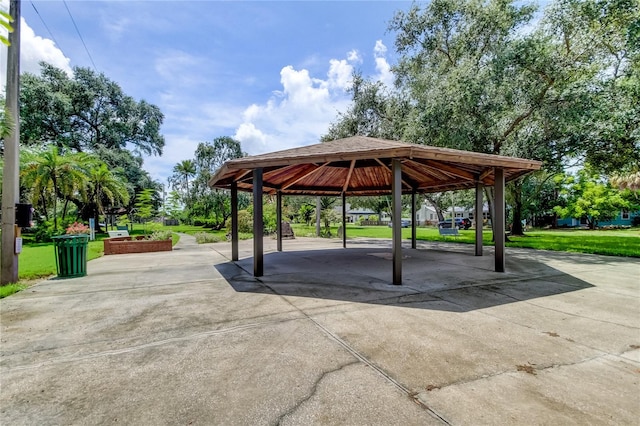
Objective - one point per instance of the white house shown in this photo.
(426, 215)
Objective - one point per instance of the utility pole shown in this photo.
(11, 181)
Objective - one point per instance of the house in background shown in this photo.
(624, 218)
(426, 215)
(356, 215)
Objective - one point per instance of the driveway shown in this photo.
(188, 337)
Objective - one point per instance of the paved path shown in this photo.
(186, 337)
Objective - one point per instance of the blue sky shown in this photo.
(272, 74)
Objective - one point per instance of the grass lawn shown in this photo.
(192, 230)
(37, 260)
(624, 242)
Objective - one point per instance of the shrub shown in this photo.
(160, 235)
(245, 222)
(43, 232)
(205, 237)
(205, 222)
(77, 228)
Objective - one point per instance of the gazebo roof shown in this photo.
(361, 165)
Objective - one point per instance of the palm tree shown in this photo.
(182, 172)
(52, 176)
(104, 184)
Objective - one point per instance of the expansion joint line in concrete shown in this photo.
(361, 357)
(129, 349)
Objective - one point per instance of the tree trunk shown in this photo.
(488, 192)
(516, 225)
(44, 206)
(64, 210)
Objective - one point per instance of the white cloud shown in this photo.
(339, 74)
(379, 50)
(354, 57)
(382, 66)
(33, 50)
(177, 67)
(250, 136)
(301, 112)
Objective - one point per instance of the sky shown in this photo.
(271, 74)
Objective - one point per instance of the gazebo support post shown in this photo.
(279, 220)
(396, 193)
(318, 212)
(344, 220)
(413, 219)
(234, 221)
(499, 219)
(479, 218)
(258, 225)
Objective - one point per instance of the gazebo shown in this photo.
(361, 166)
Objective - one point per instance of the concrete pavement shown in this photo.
(188, 337)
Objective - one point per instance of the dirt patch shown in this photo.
(528, 368)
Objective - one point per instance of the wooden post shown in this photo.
(234, 221)
(279, 219)
(396, 211)
(413, 219)
(344, 220)
(499, 219)
(258, 225)
(479, 218)
(11, 181)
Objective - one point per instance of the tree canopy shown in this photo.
(89, 114)
(86, 112)
(494, 76)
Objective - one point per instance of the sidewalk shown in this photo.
(187, 337)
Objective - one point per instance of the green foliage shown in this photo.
(144, 206)
(372, 218)
(5, 22)
(306, 213)
(51, 176)
(245, 222)
(85, 112)
(206, 237)
(44, 231)
(123, 220)
(269, 217)
(328, 217)
(586, 196)
(104, 185)
(172, 206)
(605, 242)
(190, 179)
(88, 113)
(182, 173)
(160, 235)
(9, 289)
(374, 112)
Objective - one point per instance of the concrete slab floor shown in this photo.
(188, 337)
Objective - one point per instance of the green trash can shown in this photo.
(71, 255)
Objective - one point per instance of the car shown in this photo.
(404, 223)
(461, 223)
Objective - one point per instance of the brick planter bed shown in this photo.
(123, 245)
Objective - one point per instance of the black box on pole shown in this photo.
(24, 215)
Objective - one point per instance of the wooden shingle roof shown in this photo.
(362, 166)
